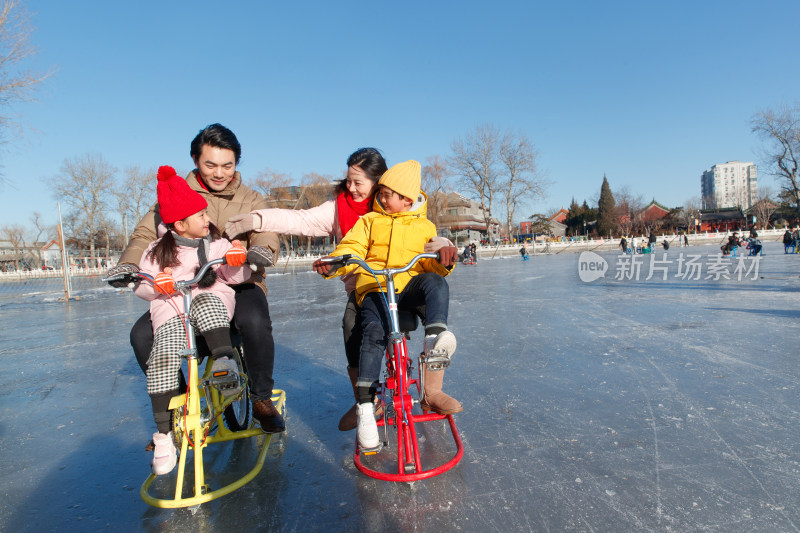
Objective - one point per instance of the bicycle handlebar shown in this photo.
(178, 284)
(349, 259)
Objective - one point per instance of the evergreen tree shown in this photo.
(574, 218)
(605, 210)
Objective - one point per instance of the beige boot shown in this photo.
(350, 419)
(433, 398)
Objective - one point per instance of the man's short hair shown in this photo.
(218, 136)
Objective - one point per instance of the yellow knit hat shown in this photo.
(404, 178)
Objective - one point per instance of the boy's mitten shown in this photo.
(448, 255)
(321, 267)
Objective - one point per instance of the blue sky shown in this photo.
(648, 93)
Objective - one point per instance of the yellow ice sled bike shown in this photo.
(203, 415)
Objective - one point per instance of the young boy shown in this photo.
(389, 237)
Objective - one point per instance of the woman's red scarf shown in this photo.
(350, 210)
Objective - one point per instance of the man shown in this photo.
(216, 152)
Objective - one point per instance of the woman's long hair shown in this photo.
(370, 161)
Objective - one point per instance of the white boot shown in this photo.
(164, 455)
(368, 439)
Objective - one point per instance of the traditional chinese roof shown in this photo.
(560, 215)
(654, 211)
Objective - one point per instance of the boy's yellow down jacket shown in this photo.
(389, 241)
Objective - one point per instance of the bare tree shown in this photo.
(435, 181)
(135, 194)
(16, 236)
(39, 229)
(690, 212)
(628, 210)
(764, 207)
(17, 84)
(85, 185)
(520, 178)
(269, 183)
(781, 131)
(475, 161)
(317, 189)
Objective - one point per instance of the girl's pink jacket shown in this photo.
(161, 309)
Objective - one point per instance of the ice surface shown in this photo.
(616, 405)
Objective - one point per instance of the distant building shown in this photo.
(654, 211)
(463, 220)
(29, 256)
(731, 184)
(560, 216)
(723, 219)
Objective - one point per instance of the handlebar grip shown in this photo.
(337, 262)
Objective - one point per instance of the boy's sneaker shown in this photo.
(439, 349)
(165, 456)
(368, 440)
(225, 376)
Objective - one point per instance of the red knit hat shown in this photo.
(176, 200)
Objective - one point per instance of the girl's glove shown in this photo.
(237, 255)
(124, 268)
(163, 282)
(238, 224)
(260, 256)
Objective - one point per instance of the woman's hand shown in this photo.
(239, 224)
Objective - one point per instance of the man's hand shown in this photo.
(237, 255)
(260, 256)
(448, 255)
(123, 268)
(321, 267)
(238, 224)
(163, 282)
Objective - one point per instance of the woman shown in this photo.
(334, 218)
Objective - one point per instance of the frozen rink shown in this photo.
(615, 405)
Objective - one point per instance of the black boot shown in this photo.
(268, 416)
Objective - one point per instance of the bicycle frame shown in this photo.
(195, 425)
(397, 388)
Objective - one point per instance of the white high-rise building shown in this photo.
(731, 184)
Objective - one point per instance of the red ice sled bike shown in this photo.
(396, 390)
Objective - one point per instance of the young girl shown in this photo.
(189, 240)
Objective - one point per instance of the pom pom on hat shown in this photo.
(176, 200)
(404, 178)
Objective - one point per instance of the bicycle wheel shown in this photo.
(238, 415)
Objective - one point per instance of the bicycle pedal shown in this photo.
(437, 363)
(224, 380)
(370, 451)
